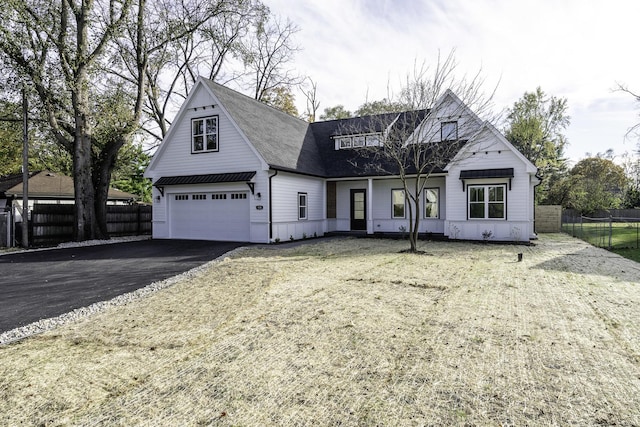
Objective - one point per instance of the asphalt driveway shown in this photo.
(41, 284)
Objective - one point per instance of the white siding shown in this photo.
(285, 222)
(234, 155)
(490, 153)
(449, 110)
(381, 216)
(343, 203)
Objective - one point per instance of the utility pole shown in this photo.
(25, 169)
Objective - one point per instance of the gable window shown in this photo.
(204, 134)
(487, 201)
(431, 199)
(397, 202)
(449, 131)
(302, 205)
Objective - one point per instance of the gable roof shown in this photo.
(287, 143)
(49, 185)
(283, 141)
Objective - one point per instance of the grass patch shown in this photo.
(629, 253)
(352, 332)
(623, 235)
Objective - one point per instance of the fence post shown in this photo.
(610, 230)
(581, 229)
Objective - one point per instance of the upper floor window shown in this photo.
(449, 131)
(204, 134)
(487, 201)
(345, 142)
(431, 199)
(358, 141)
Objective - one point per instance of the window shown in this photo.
(358, 141)
(487, 201)
(204, 134)
(238, 196)
(373, 140)
(182, 197)
(449, 131)
(302, 205)
(345, 142)
(199, 197)
(397, 201)
(431, 208)
(219, 196)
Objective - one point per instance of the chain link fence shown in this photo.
(612, 232)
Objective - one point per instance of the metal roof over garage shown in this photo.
(205, 179)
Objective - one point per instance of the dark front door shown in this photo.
(358, 210)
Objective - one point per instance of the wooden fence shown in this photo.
(53, 224)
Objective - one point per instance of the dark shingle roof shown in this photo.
(282, 140)
(288, 143)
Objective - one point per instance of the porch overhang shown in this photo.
(486, 173)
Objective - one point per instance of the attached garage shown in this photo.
(210, 216)
(203, 212)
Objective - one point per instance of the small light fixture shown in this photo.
(258, 196)
(158, 198)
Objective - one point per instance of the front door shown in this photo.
(358, 210)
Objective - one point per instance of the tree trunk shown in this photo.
(84, 192)
(102, 168)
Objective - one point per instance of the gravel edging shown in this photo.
(44, 325)
(121, 239)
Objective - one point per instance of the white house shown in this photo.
(232, 168)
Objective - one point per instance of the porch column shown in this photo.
(370, 206)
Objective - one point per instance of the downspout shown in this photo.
(535, 187)
(271, 206)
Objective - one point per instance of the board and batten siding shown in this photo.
(234, 155)
(490, 154)
(285, 223)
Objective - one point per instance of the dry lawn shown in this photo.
(352, 332)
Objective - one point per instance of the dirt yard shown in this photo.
(352, 332)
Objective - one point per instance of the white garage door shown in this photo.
(210, 216)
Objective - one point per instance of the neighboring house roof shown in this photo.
(49, 185)
(8, 181)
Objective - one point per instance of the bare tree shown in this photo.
(55, 46)
(635, 129)
(427, 137)
(214, 40)
(267, 56)
(311, 94)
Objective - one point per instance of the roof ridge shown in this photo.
(258, 102)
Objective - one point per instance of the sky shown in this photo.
(357, 50)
